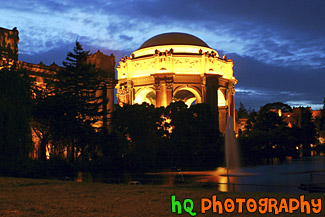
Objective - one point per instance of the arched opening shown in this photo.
(145, 95)
(221, 99)
(188, 96)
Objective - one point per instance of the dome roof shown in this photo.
(173, 38)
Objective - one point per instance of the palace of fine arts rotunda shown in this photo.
(178, 66)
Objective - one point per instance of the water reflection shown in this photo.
(214, 179)
(277, 177)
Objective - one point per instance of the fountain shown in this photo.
(232, 157)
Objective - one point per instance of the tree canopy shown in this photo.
(69, 110)
(15, 113)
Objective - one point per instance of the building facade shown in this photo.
(8, 46)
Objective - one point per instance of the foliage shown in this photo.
(42, 120)
(137, 130)
(276, 106)
(72, 106)
(320, 122)
(251, 121)
(15, 112)
(267, 134)
(174, 137)
(308, 130)
(242, 111)
(194, 142)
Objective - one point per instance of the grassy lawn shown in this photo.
(35, 197)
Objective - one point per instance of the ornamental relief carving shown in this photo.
(161, 63)
(121, 70)
(145, 67)
(211, 64)
(122, 65)
(186, 65)
(122, 92)
(162, 59)
(221, 69)
(169, 85)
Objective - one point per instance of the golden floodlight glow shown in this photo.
(177, 67)
(180, 59)
(176, 49)
(221, 99)
(146, 95)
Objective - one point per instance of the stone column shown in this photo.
(126, 97)
(110, 105)
(121, 97)
(169, 92)
(130, 92)
(211, 94)
(163, 94)
(159, 97)
(232, 103)
(163, 85)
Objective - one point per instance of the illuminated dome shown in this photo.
(173, 67)
(173, 38)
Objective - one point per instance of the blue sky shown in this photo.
(278, 47)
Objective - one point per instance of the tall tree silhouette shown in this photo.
(242, 111)
(15, 112)
(76, 102)
(308, 129)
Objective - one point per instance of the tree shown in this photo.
(41, 119)
(138, 129)
(277, 106)
(79, 82)
(308, 133)
(242, 111)
(77, 104)
(321, 122)
(251, 121)
(175, 137)
(195, 142)
(15, 113)
(267, 134)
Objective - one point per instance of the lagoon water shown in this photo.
(282, 177)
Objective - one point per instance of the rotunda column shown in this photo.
(211, 94)
(163, 85)
(169, 92)
(159, 97)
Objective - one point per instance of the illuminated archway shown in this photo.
(221, 99)
(188, 95)
(145, 95)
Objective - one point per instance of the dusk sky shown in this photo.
(278, 47)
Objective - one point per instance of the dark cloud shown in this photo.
(302, 15)
(260, 83)
(125, 37)
(56, 55)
